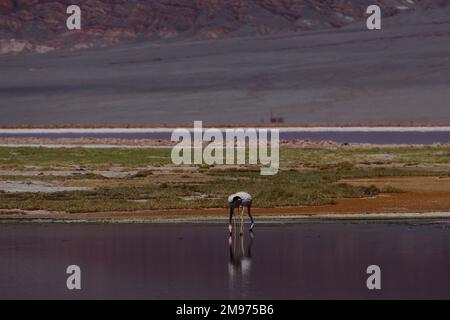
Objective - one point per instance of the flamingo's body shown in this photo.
(238, 200)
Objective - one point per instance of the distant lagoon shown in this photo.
(373, 135)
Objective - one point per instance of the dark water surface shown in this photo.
(190, 261)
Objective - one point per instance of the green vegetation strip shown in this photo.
(307, 177)
(17, 158)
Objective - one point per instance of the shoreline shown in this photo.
(267, 219)
(156, 137)
(169, 129)
(154, 143)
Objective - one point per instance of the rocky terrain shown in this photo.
(40, 25)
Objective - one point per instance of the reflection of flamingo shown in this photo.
(236, 201)
(239, 264)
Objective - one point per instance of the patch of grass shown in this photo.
(319, 157)
(290, 188)
(89, 157)
(307, 157)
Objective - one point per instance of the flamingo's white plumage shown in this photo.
(237, 200)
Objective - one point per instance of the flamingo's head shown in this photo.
(234, 201)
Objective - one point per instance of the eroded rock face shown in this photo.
(40, 25)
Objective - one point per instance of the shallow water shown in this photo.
(190, 261)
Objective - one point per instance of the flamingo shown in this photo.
(236, 201)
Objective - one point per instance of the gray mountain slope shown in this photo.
(400, 74)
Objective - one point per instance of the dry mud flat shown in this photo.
(35, 186)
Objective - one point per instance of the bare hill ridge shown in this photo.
(39, 25)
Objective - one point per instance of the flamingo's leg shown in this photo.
(242, 221)
(252, 223)
(230, 226)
